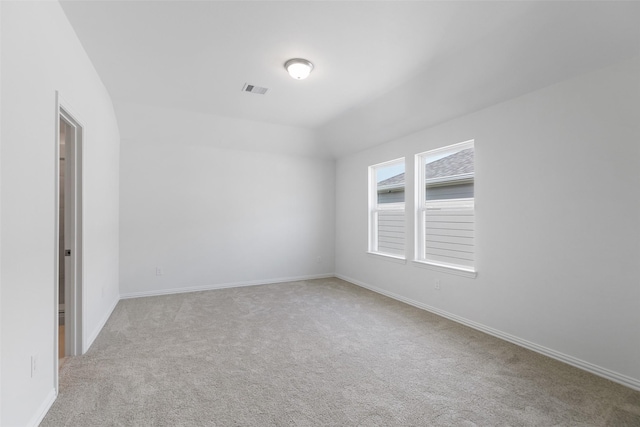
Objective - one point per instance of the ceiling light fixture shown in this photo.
(298, 68)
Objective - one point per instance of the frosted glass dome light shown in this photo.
(298, 68)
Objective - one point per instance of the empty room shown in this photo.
(319, 213)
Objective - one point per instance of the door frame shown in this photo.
(74, 295)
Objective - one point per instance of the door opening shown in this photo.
(69, 235)
(61, 260)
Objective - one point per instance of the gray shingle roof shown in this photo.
(394, 180)
(456, 164)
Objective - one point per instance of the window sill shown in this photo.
(444, 268)
(388, 257)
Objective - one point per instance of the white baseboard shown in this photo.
(222, 286)
(43, 409)
(570, 360)
(87, 344)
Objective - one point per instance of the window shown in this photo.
(386, 209)
(445, 217)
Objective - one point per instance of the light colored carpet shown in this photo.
(318, 353)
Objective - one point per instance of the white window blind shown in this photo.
(449, 228)
(390, 220)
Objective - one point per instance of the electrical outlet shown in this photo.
(436, 286)
(34, 365)
(319, 260)
(159, 271)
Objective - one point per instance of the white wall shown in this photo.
(219, 202)
(557, 216)
(41, 54)
(0, 215)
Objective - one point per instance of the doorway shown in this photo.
(69, 236)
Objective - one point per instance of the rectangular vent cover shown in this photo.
(254, 89)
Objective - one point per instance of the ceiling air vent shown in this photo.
(254, 89)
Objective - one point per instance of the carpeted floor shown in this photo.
(318, 353)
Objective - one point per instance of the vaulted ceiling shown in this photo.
(383, 69)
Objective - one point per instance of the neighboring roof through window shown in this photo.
(459, 163)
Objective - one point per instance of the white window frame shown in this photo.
(466, 205)
(375, 209)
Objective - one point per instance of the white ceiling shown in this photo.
(383, 69)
